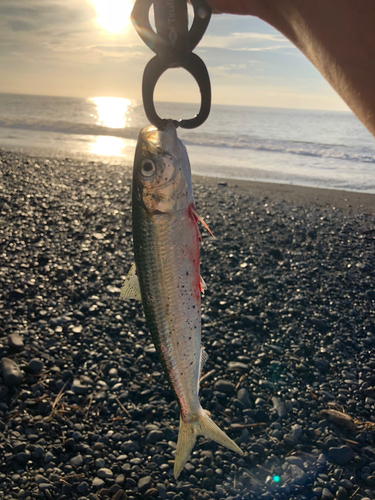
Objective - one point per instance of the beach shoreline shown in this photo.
(288, 324)
(298, 195)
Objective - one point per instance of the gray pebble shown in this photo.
(298, 475)
(79, 388)
(243, 395)
(279, 406)
(97, 482)
(162, 491)
(267, 384)
(83, 488)
(341, 493)
(15, 342)
(105, 473)
(341, 454)
(237, 366)
(326, 494)
(293, 460)
(154, 436)
(225, 387)
(45, 486)
(144, 484)
(345, 483)
(290, 439)
(76, 461)
(120, 479)
(12, 374)
(99, 463)
(35, 365)
(297, 431)
(40, 479)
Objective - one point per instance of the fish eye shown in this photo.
(148, 168)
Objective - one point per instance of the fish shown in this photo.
(166, 276)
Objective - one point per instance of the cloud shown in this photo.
(56, 47)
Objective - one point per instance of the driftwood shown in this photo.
(338, 418)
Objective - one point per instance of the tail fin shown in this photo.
(202, 426)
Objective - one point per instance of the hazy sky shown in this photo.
(84, 48)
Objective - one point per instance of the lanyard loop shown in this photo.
(173, 44)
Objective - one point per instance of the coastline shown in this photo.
(298, 195)
(288, 323)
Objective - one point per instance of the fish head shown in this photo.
(162, 174)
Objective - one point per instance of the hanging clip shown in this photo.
(173, 44)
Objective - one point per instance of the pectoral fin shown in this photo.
(201, 220)
(130, 288)
(202, 285)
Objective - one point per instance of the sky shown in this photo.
(88, 48)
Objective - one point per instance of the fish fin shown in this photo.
(203, 360)
(202, 285)
(130, 289)
(187, 435)
(188, 432)
(201, 220)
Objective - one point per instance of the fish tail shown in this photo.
(188, 432)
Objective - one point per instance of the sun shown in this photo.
(113, 15)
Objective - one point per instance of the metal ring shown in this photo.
(153, 71)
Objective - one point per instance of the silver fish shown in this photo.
(166, 276)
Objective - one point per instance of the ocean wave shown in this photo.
(65, 127)
(205, 140)
(316, 150)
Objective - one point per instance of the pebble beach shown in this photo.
(288, 323)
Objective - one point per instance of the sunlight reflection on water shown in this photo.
(111, 112)
(111, 146)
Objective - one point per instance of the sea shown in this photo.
(325, 149)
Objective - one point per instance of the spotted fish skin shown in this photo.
(166, 249)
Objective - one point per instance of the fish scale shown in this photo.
(163, 245)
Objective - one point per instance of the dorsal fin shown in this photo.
(130, 288)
